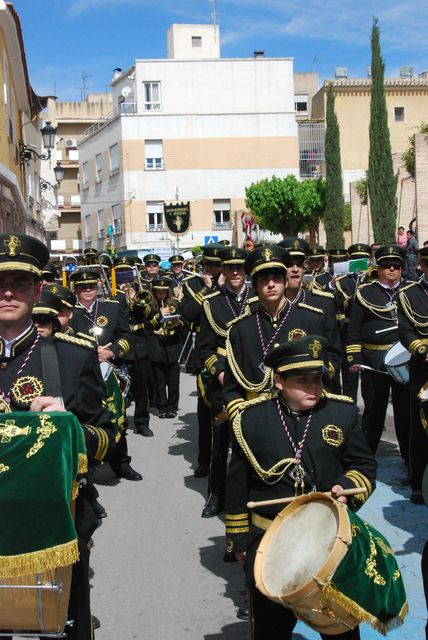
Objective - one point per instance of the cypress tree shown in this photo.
(335, 206)
(382, 183)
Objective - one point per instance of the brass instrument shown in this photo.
(143, 297)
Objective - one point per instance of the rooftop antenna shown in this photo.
(84, 87)
(214, 15)
(315, 61)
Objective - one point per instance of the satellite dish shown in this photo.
(126, 91)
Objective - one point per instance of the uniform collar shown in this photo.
(281, 312)
(12, 348)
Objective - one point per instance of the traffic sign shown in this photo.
(210, 239)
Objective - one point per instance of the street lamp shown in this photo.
(59, 176)
(27, 153)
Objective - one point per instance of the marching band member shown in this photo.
(28, 364)
(221, 307)
(151, 269)
(298, 438)
(107, 322)
(373, 329)
(413, 332)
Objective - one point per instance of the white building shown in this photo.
(192, 127)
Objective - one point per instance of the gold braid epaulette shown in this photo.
(110, 300)
(411, 313)
(81, 342)
(245, 314)
(303, 305)
(338, 397)
(326, 294)
(214, 326)
(212, 295)
(239, 376)
(345, 295)
(274, 474)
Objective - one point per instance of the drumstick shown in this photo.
(365, 366)
(387, 329)
(267, 503)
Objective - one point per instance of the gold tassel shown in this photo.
(83, 464)
(25, 564)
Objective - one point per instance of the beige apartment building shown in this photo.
(193, 127)
(61, 206)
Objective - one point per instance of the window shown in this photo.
(301, 104)
(73, 155)
(196, 41)
(311, 149)
(117, 218)
(154, 216)
(151, 96)
(85, 173)
(88, 233)
(6, 85)
(75, 200)
(101, 232)
(221, 209)
(399, 114)
(11, 131)
(98, 167)
(153, 154)
(114, 159)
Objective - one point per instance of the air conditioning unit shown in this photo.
(71, 143)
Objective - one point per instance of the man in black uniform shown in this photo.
(345, 287)
(194, 289)
(220, 307)
(151, 270)
(107, 322)
(273, 319)
(413, 332)
(28, 365)
(373, 329)
(302, 436)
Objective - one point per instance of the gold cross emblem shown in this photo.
(9, 430)
(12, 244)
(295, 244)
(315, 348)
(390, 250)
(267, 254)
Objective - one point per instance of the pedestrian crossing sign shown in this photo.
(210, 239)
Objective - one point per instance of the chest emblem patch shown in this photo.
(294, 334)
(102, 321)
(332, 435)
(25, 389)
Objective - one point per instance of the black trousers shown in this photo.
(375, 388)
(140, 379)
(272, 621)
(166, 378)
(418, 446)
(120, 455)
(220, 437)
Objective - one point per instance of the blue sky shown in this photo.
(67, 38)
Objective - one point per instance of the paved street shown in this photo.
(158, 569)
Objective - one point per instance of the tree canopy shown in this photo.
(335, 209)
(287, 205)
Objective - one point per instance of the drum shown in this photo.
(396, 363)
(329, 567)
(37, 603)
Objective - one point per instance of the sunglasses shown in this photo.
(390, 265)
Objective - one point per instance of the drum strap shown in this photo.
(50, 368)
(260, 521)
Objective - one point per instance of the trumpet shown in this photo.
(143, 297)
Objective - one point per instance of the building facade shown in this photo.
(194, 128)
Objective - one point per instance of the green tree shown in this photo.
(285, 205)
(382, 183)
(408, 156)
(334, 203)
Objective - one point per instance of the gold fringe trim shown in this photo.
(332, 593)
(74, 491)
(83, 464)
(26, 564)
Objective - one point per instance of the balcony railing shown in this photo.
(123, 109)
(155, 227)
(222, 225)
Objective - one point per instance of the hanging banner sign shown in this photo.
(177, 217)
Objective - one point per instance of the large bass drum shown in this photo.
(329, 567)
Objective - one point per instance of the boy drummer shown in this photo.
(293, 441)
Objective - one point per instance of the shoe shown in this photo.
(213, 507)
(242, 612)
(128, 473)
(145, 431)
(202, 471)
(96, 624)
(100, 512)
(229, 556)
(171, 414)
(417, 497)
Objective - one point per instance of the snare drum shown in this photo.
(329, 567)
(396, 363)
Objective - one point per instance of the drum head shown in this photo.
(299, 547)
(397, 355)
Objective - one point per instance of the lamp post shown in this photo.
(59, 176)
(27, 153)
